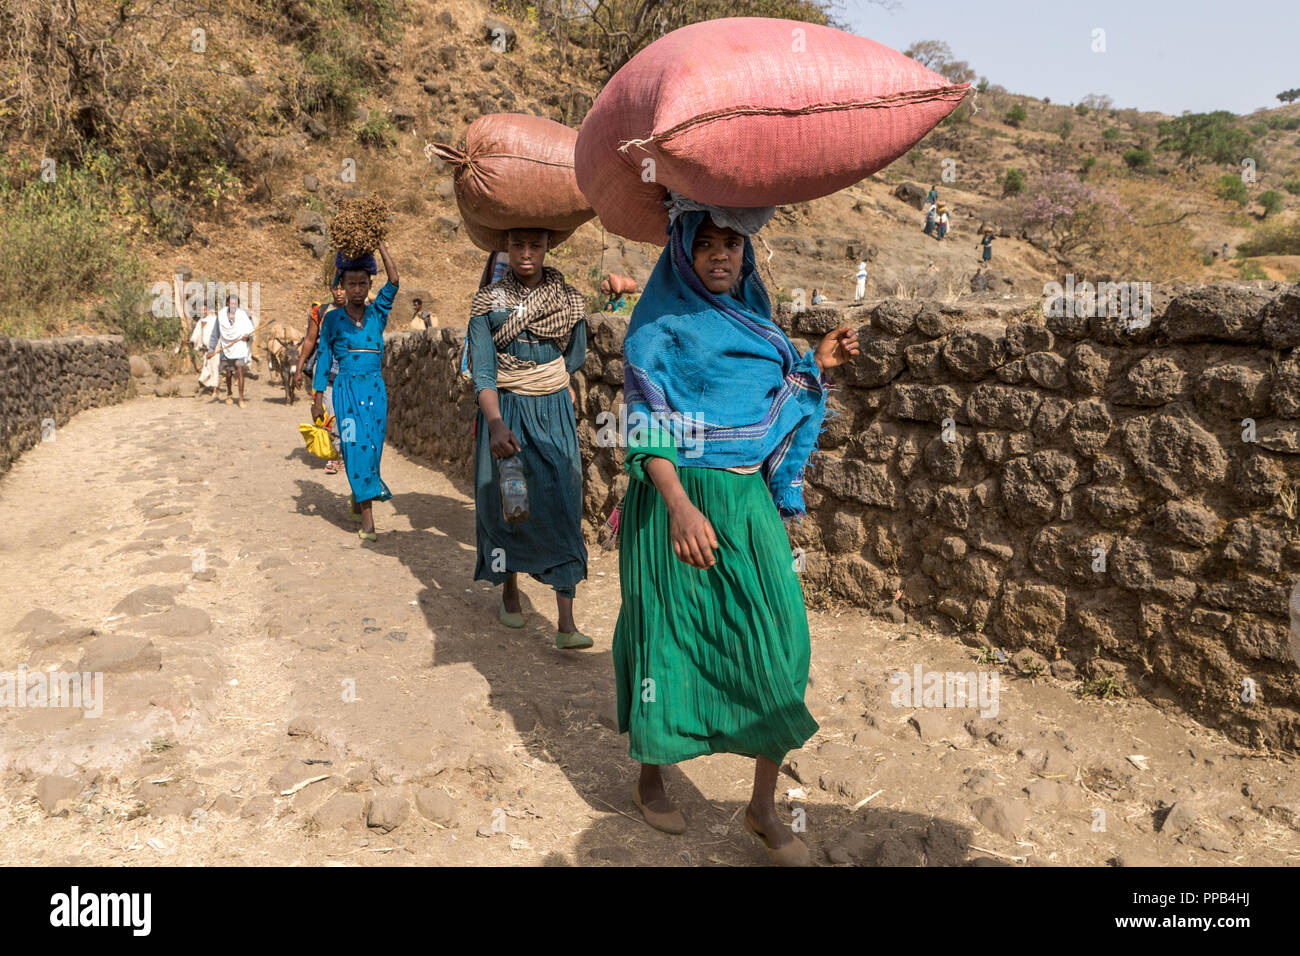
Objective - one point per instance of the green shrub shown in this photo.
(332, 85)
(338, 69)
(1137, 158)
(126, 311)
(1271, 201)
(64, 242)
(1081, 109)
(1252, 270)
(1282, 239)
(378, 132)
(1292, 186)
(1088, 163)
(1230, 187)
(1013, 182)
(1111, 133)
(1205, 136)
(1063, 130)
(1016, 115)
(958, 116)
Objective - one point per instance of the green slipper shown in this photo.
(573, 641)
(367, 535)
(510, 618)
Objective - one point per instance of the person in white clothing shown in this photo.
(230, 336)
(201, 338)
(861, 290)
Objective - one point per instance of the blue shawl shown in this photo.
(718, 373)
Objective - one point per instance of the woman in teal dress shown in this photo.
(527, 334)
(353, 335)
(711, 649)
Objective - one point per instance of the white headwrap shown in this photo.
(745, 221)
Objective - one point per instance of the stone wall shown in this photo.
(53, 379)
(1112, 502)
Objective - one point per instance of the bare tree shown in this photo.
(937, 55)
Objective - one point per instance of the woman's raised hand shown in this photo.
(693, 539)
(836, 348)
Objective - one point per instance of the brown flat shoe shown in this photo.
(794, 853)
(670, 822)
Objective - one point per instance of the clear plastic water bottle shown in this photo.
(514, 490)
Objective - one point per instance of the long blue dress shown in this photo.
(360, 398)
(548, 543)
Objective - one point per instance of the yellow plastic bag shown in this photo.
(319, 441)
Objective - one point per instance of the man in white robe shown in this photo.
(230, 337)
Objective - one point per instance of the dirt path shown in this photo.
(201, 534)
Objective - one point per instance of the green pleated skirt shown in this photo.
(710, 661)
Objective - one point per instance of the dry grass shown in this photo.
(360, 226)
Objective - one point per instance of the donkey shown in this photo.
(285, 364)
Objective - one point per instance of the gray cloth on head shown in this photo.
(745, 221)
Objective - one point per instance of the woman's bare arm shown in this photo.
(693, 538)
(501, 439)
(389, 268)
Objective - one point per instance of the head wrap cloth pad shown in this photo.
(760, 402)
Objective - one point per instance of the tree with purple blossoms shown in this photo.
(1077, 215)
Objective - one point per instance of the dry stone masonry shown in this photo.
(44, 382)
(1116, 500)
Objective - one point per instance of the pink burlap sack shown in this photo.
(515, 171)
(750, 111)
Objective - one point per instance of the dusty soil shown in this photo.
(293, 651)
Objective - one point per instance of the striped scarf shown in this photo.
(550, 310)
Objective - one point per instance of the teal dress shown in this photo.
(548, 544)
(360, 398)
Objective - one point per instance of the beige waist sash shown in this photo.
(543, 379)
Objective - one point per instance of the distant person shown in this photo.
(987, 242)
(1224, 253)
(933, 197)
(420, 315)
(930, 215)
(817, 297)
(861, 289)
(231, 334)
(210, 374)
(616, 301)
(940, 221)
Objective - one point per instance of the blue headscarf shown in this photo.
(343, 264)
(717, 372)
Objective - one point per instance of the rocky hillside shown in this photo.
(306, 130)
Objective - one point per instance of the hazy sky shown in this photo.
(1166, 55)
